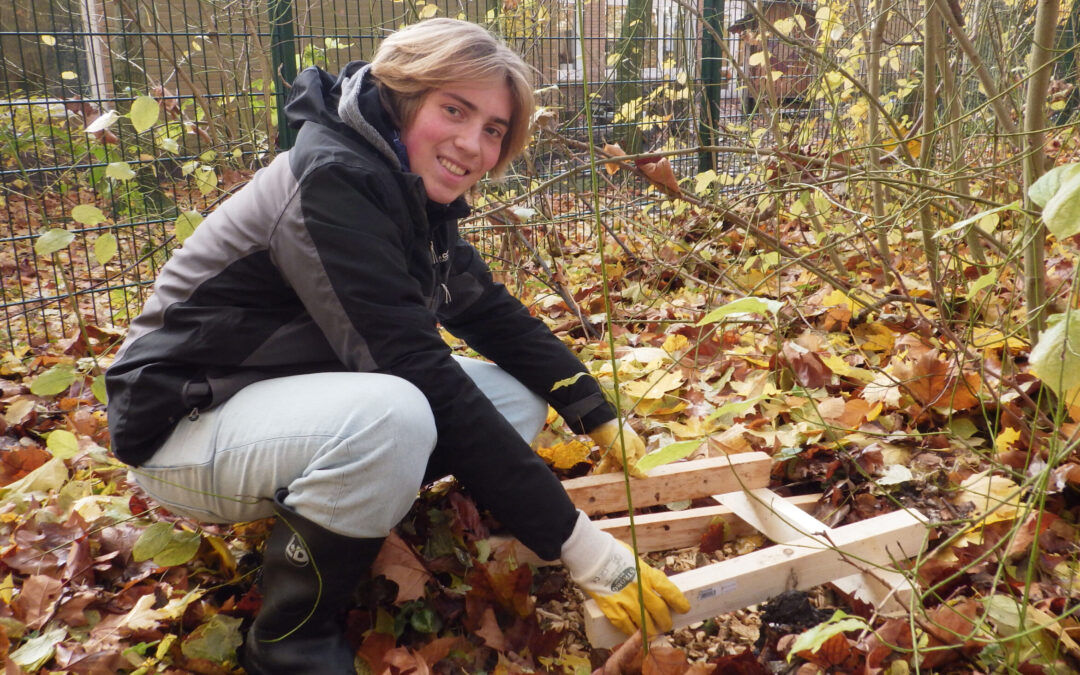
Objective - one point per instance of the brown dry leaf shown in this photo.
(661, 173)
(511, 586)
(924, 378)
(439, 648)
(374, 650)
(613, 150)
(809, 370)
(932, 384)
(490, 632)
(952, 625)
(831, 409)
(37, 598)
(731, 441)
(14, 464)
(856, 411)
(72, 611)
(665, 661)
(834, 651)
(404, 661)
(625, 659)
(397, 562)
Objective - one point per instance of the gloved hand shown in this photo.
(604, 568)
(607, 437)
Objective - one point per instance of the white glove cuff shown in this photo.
(596, 560)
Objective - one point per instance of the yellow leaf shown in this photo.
(658, 382)
(565, 455)
(873, 413)
(429, 11)
(228, 562)
(695, 427)
(836, 364)
(990, 338)
(668, 405)
(995, 497)
(1005, 439)
(839, 298)
(675, 343)
(48, 39)
(876, 337)
(7, 588)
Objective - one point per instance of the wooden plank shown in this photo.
(887, 590)
(801, 564)
(681, 529)
(769, 514)
(606, 493)
(659, 531)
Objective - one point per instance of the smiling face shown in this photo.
(457, 136)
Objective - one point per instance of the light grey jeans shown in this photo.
(350, 447)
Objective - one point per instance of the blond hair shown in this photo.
(437, 53)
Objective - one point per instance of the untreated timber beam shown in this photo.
(798, 565)
(887, 590)
(606, 493)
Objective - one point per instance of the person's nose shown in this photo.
(470, 140)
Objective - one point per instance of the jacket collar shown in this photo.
(360, 108)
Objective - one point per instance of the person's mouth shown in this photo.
(452, 167)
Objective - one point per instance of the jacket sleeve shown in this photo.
(494, 323)
(347, 256)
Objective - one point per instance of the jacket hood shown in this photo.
(349, 101)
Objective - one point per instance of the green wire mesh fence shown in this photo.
(122, 122)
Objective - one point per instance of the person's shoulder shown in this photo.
(324, 153)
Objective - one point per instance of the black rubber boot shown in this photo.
(308, 578)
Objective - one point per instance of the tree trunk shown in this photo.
(631, 48)
(1040, 68)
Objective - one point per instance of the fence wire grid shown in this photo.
(83, 148)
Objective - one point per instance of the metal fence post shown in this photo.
(283, 58)
(711, 78)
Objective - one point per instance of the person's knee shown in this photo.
(408, 420)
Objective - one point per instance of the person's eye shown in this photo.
(452, 110)
(495, 132)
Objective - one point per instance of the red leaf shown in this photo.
(743, 663)
(137, 505)
(713, 538)
(468, 515)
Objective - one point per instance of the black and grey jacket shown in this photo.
(333, 259)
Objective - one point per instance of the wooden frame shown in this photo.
(859, 559)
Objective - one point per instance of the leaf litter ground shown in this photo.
(874, 412)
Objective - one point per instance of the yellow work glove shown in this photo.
(606, 436)
(604, 568)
